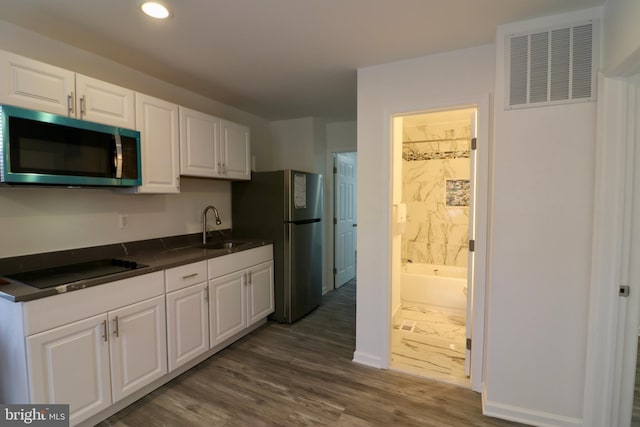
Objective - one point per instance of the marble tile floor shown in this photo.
(429, 343)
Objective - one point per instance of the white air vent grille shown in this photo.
(551, 66)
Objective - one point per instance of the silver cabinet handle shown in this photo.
(104, 330)
(82, 110)
(206, 294)
(70, 103)
(116, 329)
(189, 276)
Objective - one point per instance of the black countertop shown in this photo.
(157, 254)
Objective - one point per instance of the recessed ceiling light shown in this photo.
(155, 10)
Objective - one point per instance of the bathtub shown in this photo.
(434, 286)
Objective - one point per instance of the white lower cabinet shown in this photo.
(70, 364)
(187, 312)
(91, 362)
(260, 292)
(95, 362)
(187, 324)
(228, 306)
(97, 346)
(241, 291)
(138, 346)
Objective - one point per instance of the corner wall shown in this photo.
(543, 189)
(621, 47)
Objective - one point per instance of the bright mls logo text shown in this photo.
(40, 415)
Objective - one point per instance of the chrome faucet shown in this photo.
(204, 221)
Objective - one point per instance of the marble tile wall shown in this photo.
(437, 220)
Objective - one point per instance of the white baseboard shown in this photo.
(368, 360)
(526, 416)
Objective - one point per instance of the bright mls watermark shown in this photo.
(34, 415)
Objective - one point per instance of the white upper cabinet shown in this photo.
(35, 85)
(43, 87)
(199, 144)
(103, 102)
(212, 147)
(157, 121)
(235, 150)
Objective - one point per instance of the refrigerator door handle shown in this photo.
(305, 221)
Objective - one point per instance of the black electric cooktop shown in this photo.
(55, 276)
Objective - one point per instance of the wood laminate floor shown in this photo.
(302, 375)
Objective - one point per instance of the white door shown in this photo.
(138, 346)
(260, 295)
(345, 220)
(472, 235)
(70, 364)
(187, 324)
(228, 307)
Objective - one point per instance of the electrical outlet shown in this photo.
(123, 221)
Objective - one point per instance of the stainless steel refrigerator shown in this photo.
(286, 207)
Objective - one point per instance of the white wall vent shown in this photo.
(553, 66)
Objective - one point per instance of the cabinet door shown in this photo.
(138, 350)
(103, 102)
(157, 121)
(235, 150)
(70, 364)
(35, 85)
(187, 324)
(260, 295)
(199, 144)
(227, 306)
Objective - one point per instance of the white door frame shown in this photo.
(481, 272)
(612, 332)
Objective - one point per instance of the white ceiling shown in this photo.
(278, 59)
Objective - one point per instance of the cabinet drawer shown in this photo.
(226, 264)
(50, 312)
(185, 275)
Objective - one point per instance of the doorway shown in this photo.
(344, 217)
(433, 266)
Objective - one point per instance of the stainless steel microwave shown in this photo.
(46, 149)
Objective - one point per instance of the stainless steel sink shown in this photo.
(229, 244)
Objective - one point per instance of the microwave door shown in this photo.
(43, 148)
